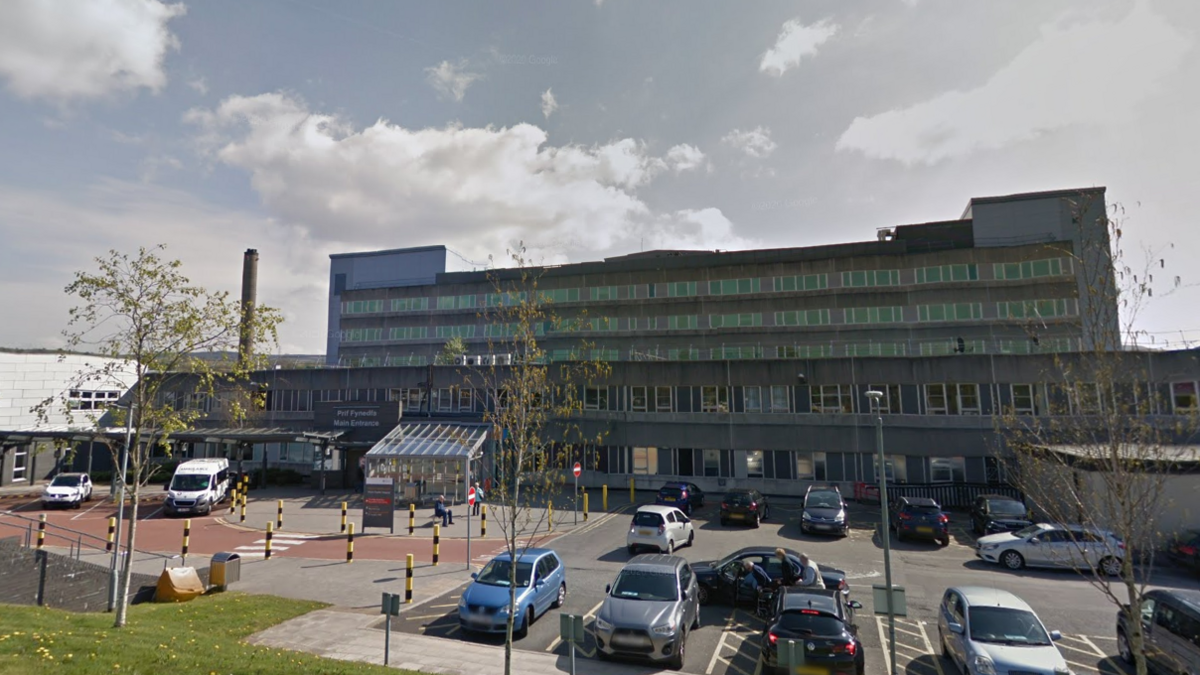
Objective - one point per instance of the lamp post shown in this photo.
(116, 554)
(885, 528)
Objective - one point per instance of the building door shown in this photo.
(20, 463)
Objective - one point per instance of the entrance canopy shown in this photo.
(431, 441)
(428, 459)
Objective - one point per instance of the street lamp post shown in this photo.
(116, 554)
(885, 527)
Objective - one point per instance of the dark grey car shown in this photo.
(824, 511)
(649, 610)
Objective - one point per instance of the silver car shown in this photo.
(1046, 545)
(649, 610)
(987, 631)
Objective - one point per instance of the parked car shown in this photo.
(824, 511)
(663, 528)
(987, 630)
(541, 584)
(1185, 550)
(197, 486)
(1171, 630)
(823, 621)
(683, 496)
(721, 581)
(998, 513)
(69, 490)
(649, 610)
(744, 506)
(1047, 545)
(921, 518)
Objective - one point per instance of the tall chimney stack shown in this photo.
(249, 297)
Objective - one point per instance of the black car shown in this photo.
(744, 506)
(684, 496)
(721, 581)
(822, 624)
(1185, 550)
(1170, 628)
(997, 513)
(920, 518)
(824, 511)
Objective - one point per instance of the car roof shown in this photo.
(992, 597)
(675, 484)
(656, 508)
(1188, 597)
(740, 491)
(795, 597)
(760, 550)
(823, 488)
(919, 501)
(999, 497)
(654, 562)
(1075, 526)
(73, 474)
(529, 554)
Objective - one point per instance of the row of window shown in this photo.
(804, 282)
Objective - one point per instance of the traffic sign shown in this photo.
(577, 470)
(471, 496)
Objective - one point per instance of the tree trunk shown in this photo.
(1137, 639)
(127, 568)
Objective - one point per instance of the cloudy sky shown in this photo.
(592, 128)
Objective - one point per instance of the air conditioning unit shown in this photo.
(460, 360)
(503, 359)
(472, 360)
(486, 360)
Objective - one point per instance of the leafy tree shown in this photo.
(453, 348)
(147, 317)
(1099, 447)
(534, 404)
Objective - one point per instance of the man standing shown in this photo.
(478, 499)
(810, 573)
(789, 574)
(439, 509)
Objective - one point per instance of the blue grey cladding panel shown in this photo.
(683, 399)
(833, 467)
(916, 469)
(985, 399)
(696, 395)
(910, 399)
(339, 284)
(976, 471)
(737, 401)
(802, 399)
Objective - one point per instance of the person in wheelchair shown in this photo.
(762, 583)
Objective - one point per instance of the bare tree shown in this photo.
(146, 317)
(1097, 441)
(534, 405)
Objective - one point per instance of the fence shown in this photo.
(952, 495)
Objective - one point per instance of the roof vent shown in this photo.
(885, 233)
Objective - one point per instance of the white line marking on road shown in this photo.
(157, 511)
(90, 509)
(919, 650)
(887, 661)
(1092, 645)
(285, 542)
(558, 640)
(1067, 639)
(712, 663)
(907, 632)
(937, 662)
(261, 549)
(425, 616)
(1077, 664)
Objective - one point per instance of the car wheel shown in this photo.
(702, 595)
(899, 535)
(976, 527)
(562, 596)
(1123, 649)
(677, 661)
(724, 523)
(944, 541)
(525, 622)
(941, 639)
(670, 546)
(757, 521)
(1110, 566)
(691, 538)
(1012, 560)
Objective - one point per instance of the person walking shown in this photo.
(439, 509)
(478, 499)
(810, 573)
(789, 572)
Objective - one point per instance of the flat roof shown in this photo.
(390, 251)
(437, 440)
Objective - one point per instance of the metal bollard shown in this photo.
(350, 543)
(41, 531)
(437, 538)
(279, 516)
(408, 577)
(585, 506)
(343, 516)
(243, 518)
(412, 518)
(187, 534)
(604, 497)
(233, 502)
(112, 529)
(632, 497)
(270, 533)
(550, 516)
(483, 521)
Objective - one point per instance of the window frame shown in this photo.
(890, 402)
(633, 397)
(746, 406)
(658, 399)
(841, 394)
(776, 405)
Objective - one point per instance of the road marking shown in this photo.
(261, 549)
(1092, 645)
(1065, 643)
(937, 661)
(157, 511)
(453, 604)
(95, 506)
(887, 661)
(558, 640)
(712, 663)
(426, 616)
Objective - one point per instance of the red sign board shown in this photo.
(471, 496)
(577, 470)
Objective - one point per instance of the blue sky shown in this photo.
(585, 129)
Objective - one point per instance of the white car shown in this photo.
(69, 490)
(663, 528)
(1046, 545)
(987, 631)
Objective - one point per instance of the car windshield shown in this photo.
(1006, 626)
(66, 481)
(922, 508)
(670, 492)
(639, 585)
(797, 621)
(189, 482)
(647, 519)
(823, 500)
(498, 573)
(1027, 531)
(738, 498)
(1007, 508)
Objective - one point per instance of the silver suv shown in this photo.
(649, 610)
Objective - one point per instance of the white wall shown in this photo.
(28, 379)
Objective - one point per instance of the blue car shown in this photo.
(541, 584)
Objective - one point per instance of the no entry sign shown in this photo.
(471, 496)
(577, 469)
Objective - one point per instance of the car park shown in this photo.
(998, 513)
(1171, 631)
(1184, 550)
(69, 490)
(920, 518)
(541, 583)
(721, 581)
(686, 497)
(824, 511)
(744, 506)
(663, 528)
(985, 631)
(1049, 545)
(822, 621)
(649, 610)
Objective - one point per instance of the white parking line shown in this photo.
(1093, 645)
(712, 663)
(937, 662)
(95, 506)
(558, 640)
(157, 511)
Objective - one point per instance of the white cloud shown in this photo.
(451, 79)
(795, 42)
(755, 143)
(549, 103)
(478, 190)
(1074, 74)
(85, 49)
(199, 84)
(685, 157)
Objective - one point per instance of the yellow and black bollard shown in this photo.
(187, 534)
(279, 516)
(437, 539)
(233, 502)
(112, 529)
(482, 520)
(350, 543)
(632, 497)
(270, 534)
(550, 515)
(243, 518)
(604, 497)
(408, 577)
(41, 531)
(343, 516)
(412, 518)
(585, 506)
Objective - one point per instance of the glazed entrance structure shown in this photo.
(429, 459)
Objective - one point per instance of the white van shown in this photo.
(198, 485)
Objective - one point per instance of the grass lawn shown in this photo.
(202, 636)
